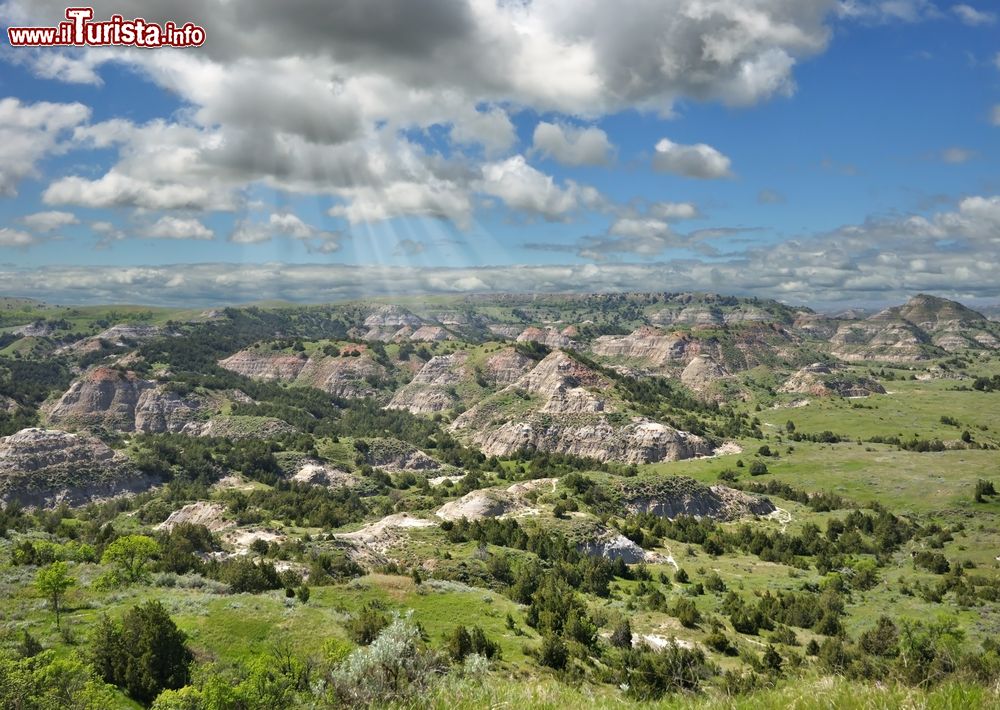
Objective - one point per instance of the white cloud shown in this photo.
(15, 238)
(973, 17)
(49, 221)
(312, 97)
(527, 189)
(285, 224)
(694, 161)
(440, 199)
(117, 190)
(885, 11)
(107, 232)
(673, 210)
(491, 129)
(572, 146)
(168, 227)
(77, 68)
(29, 133)
(995, 115)
(953, 253)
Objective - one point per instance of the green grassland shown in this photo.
(446, 583)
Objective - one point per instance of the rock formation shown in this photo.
(822, 380)
(677, 495)
(121, 401)
(45, 467)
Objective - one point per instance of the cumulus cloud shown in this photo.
(694, 161)
(572, 146)
(491, 129)
(529, 190)
(437, 198)
(313, 97)
(954, 253)
(285, 224)
(168, 227)
(29, 133)
(973, 17)
(107, 233)
(49, 221)
(15, 238)
(117, 190)
(644, 233)
(645, 237)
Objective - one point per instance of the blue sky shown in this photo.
(814, 151)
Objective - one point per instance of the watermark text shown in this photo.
(80, 30)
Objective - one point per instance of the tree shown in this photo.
(652, 674)
(52, 582)
(366, 626)
(772, 660)
(143, 654)
(459, 644)
(687, 613)
(621, 637)
(553, 652)
(130, 556)
(883, 640)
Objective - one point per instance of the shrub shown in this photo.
(462, 642)
(931, 561)
(553, 652)
(983, 489)
(621, 637)
(650, 675)
(143, 654)
(882, 640)
(687, 613)
(395, 668)
(720, 643)
(130, 555)
(367, 625)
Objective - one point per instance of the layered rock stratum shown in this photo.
(44, 467)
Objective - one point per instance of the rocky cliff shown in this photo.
(546, 336)
(396, 455)
(122, 401)
(263, 365)
(922, 328)
(432, 389)
(822, 380)
(563, 406)
(638, 442)
(672, 496)
(44, 467)
(345, 376)
(702, 373)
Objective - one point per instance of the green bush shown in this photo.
(143, 654)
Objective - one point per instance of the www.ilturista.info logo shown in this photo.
(80, 31)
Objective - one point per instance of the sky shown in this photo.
(819, 152)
